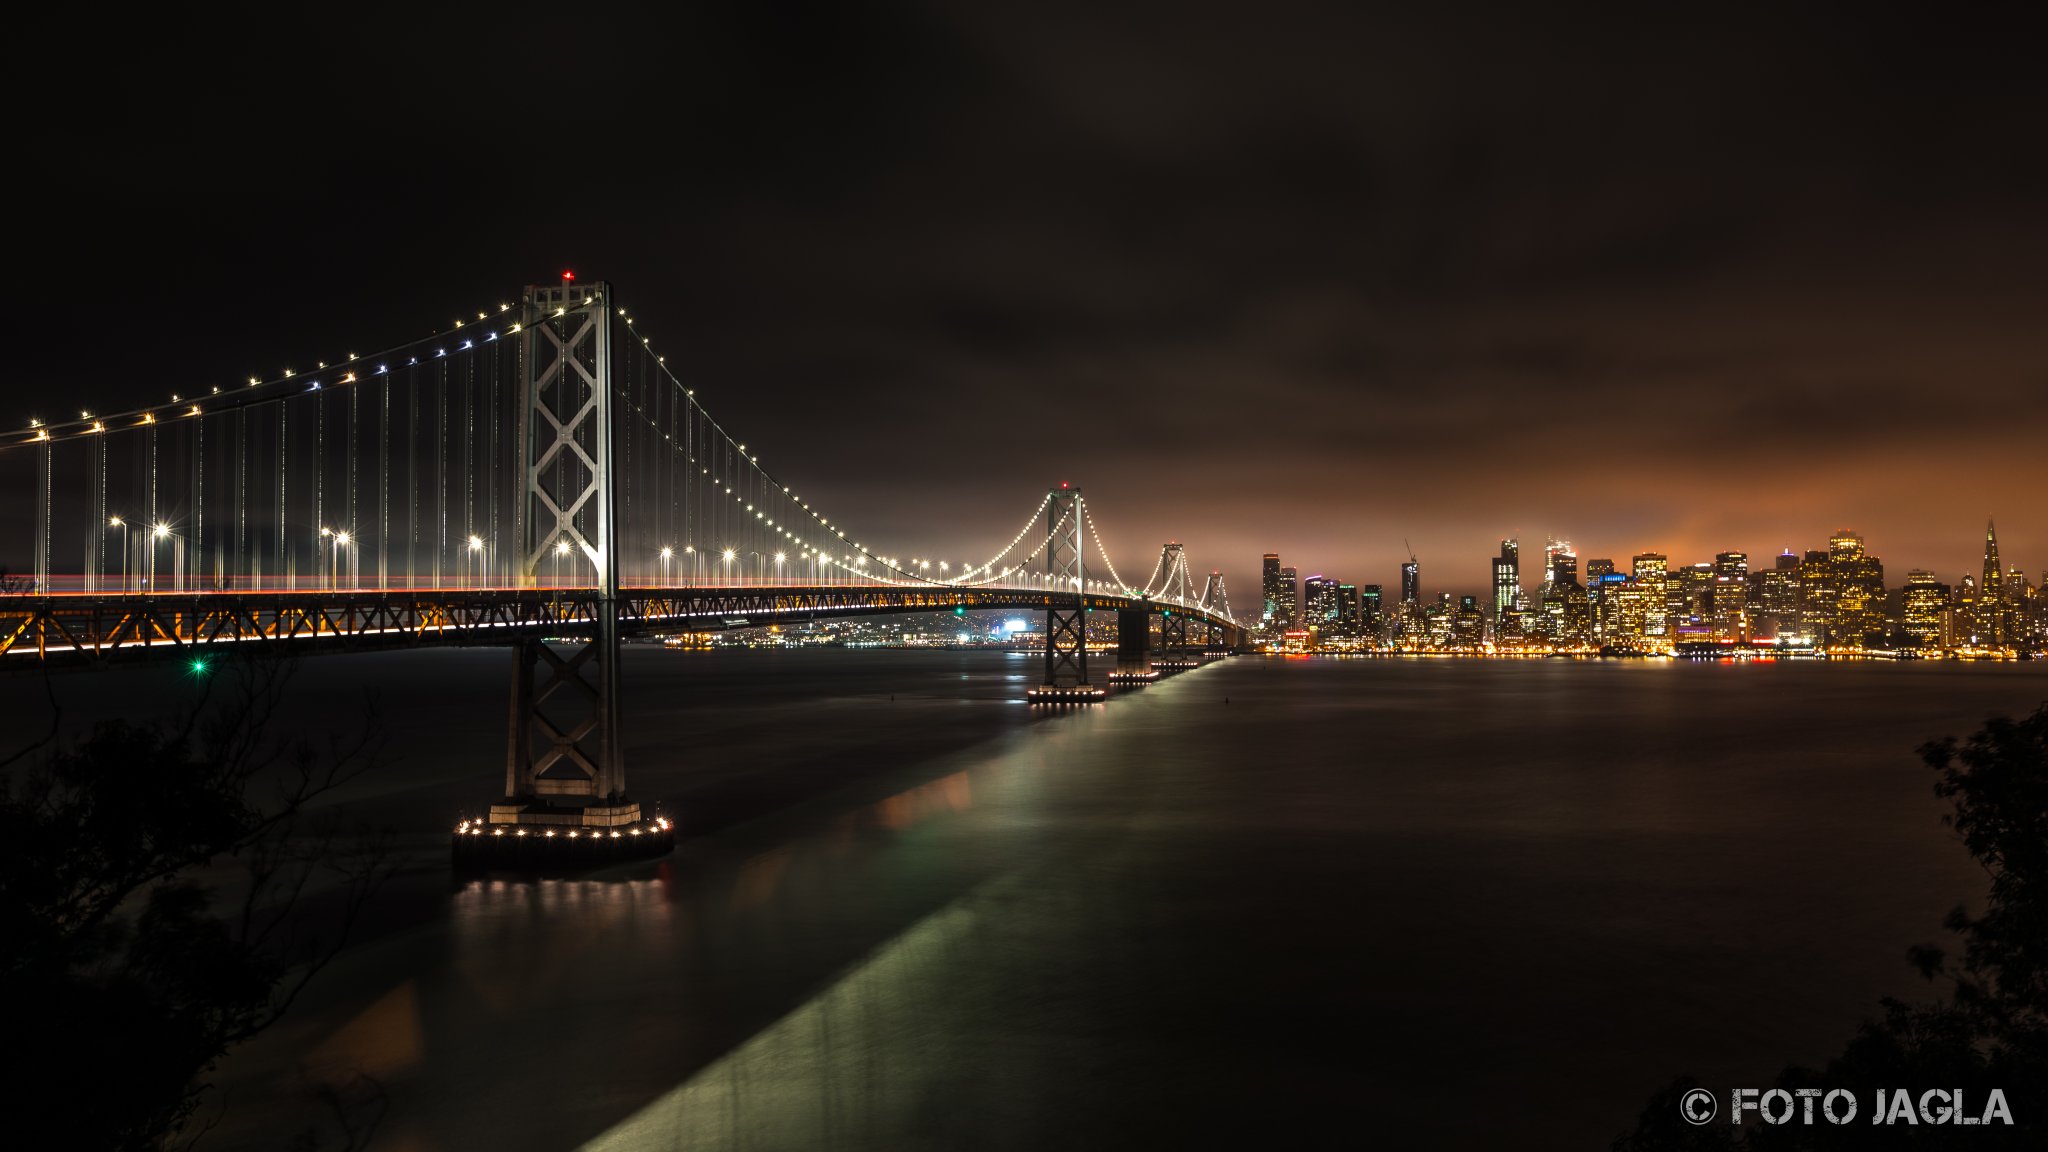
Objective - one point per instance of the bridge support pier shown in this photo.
(1133, 647)
(1174, 653)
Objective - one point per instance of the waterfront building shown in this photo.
(1468, 624)
(1730, 597)
(1650, 570)
(1774, 599)
(1270, 624)
(1319, 605)
(1507, 578)
(1925, 616)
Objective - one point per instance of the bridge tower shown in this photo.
(565, 779)
(1066, 608)
(1216, 600)
(1177, 609)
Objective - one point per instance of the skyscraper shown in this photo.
(1651, 571)
(1924, 609)
(1859, 600)
(1411, 582)
(1731, 596)
(1371, 621)
(1774, 599)
(1989, 625)
(1269, 586)
(1288, 612)
(1560, 563)
(1507, 578)
(1319, 604)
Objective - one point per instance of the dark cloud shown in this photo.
(1284, 277)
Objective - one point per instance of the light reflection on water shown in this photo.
(1456, 895)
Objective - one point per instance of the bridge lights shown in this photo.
(117, 522)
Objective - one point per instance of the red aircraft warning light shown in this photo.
(568, 276)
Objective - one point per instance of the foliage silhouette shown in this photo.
(166, 891)
(1991, 1030)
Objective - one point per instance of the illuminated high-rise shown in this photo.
(1924, 611)
(1816, 595)
(1859, 593)
(1319, 606)
(1372, 620)
(1507, 578)
(1601, 582)
(1631, 612)
(1692, 594)
(1774, 600)
(1650, 571)
(1269, 586)
(1560, 563)
(1411, 582)
(1730, 600)
(1989, 626)
(1289, 609)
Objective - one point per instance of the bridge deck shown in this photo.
(96, 626)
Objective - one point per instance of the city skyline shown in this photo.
(1840, 596)
(1478, 581)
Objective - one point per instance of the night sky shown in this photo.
(1259, 277)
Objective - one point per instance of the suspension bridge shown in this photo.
(533, 477)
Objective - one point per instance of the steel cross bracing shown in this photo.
(1173, 621)
(568, 743)
(1066, 573)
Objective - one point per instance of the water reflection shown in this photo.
(838, 1072)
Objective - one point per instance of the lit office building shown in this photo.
(1601, 582)
(1730, 600)
(1269, 586)
(1288, 611)
(1319, 605)
(1634, 604)
(1924, 611)
(1774, 599)
(1859, 593)
(1650, 571)
(1468, 624)
(1507, 578)
(1560, 563)
(1371, 613)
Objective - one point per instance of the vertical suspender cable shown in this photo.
(277, 530)
(384, 482)
(440, 469)
(197, 558)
